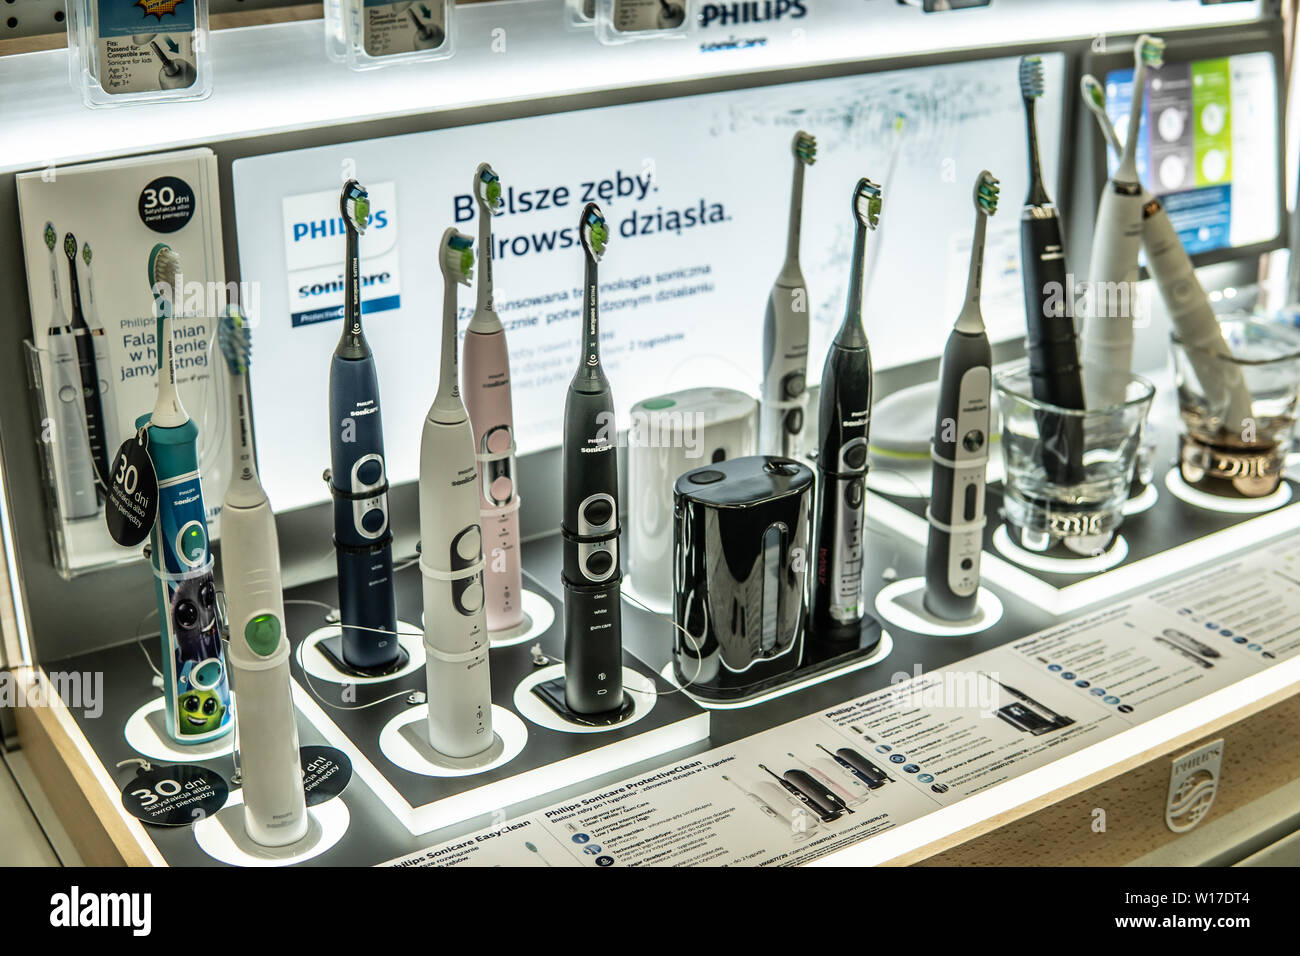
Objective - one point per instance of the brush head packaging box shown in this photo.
(88, 232)
(126, 51)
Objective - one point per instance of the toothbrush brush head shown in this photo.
(235, 337)
(489, 190)
(595, 231)
(986, 193)
(805, 148)
(866, 203)
(354, 204)
(1031, 77)
(457, 256)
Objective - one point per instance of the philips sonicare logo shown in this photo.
(314, 249)
(322, 228)
(755, 11)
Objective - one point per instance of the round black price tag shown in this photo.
(325, 772)
(166, 204)
(132, 504)
(175, 796)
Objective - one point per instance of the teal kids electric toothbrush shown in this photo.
(196, 689)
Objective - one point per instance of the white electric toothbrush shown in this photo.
(785, 330)
(1113, 273)
(1189, 307)
(485, 381)
(275, 808)
(451, 544)
(74, 467)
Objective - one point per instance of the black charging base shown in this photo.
(823, 654)
(332, 649)
(551, 693)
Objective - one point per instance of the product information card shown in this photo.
(815, 785)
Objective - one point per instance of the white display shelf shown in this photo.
(273, 79)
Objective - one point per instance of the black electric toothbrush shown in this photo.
(91, 388)
(1046, 713)
(960, 449)
(843, 421)
(821, 801)
(1053, 347)
(593, 640)
(860, 767)
(358, 476)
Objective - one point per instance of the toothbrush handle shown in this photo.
(1108, 327)
(74, 470)
(275, 810)
(593, 647)
(1052, 343)
(785, 365)
(94, 408)
(959, 456)
(1192, 315)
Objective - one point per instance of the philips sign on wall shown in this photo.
(696, 193)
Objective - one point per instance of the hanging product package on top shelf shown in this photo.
(374, 33)
(138, 51)
(621, 21)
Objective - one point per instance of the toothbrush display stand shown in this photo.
(331, 648)
(1151, 544)
(222, 836)
(382, 726)
(538, 618)
(902, 604)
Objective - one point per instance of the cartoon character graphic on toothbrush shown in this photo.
(1052, 345)
(92, 397)
(1189, 307)
(359, 474)
(959, 451)
(593, 639)
(485, 387)
(275, 808)
(196, 689)
(1107, 332)
(451, 554)
(843, 422)
(785, 330)
(74, 468)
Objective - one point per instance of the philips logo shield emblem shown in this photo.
(1193, 783)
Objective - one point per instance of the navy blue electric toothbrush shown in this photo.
(363, 540)
(196, 688)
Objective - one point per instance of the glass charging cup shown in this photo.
(1068, 470)
(1237, 410)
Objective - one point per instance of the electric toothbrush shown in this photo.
(593, 638)
(960, 450)
(363, 540)
(486, 389)
(275, 808)
(1113, 276)
(1054, 372)
(91, 387)
(451, 544)
(785, 330)
(844, 420)
(103, 358)
(71, 445)
(773, 814)
(196, 691)
(849, 798)
(825, 803)
(859, 766)
(1188, 305)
